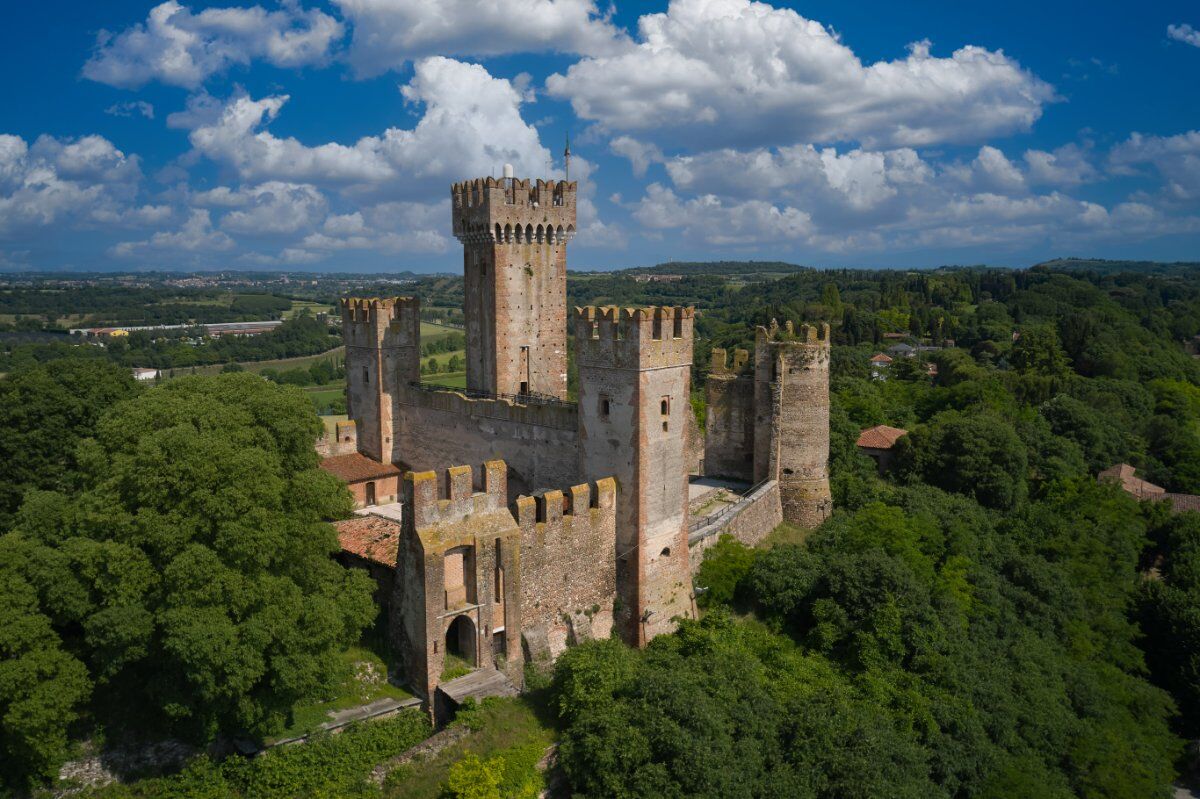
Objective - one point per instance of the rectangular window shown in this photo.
(366, 376)
(605, 406)
(499, 575)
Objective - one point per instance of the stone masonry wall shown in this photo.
(479, 527)
(634, 381)
(568, 566)
(729, 429)
(750, 523)
(342, 440)
(514, 237)
(538, 442)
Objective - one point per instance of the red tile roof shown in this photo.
(356, 467)
(370, 538)
(880, 437)
(881, 358)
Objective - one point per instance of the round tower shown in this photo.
(792, 418)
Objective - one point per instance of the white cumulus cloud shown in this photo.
(182, 48)
(471, 126)
(82, 181)
(388, 33)
(1175, 158)
(737, 72)
(196, 235)
(1184, 33)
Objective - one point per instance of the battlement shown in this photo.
(427, 505)
(512, 211)
(395, 321)
(789, 334)
(720, 366)
(554, 509)
(634, 337)
(568, 564)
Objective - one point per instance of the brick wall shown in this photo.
(568, 564)
(759, 513)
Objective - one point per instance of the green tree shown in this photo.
(44, 413)
(41, 685)
(1037, 350)
(976, 454)
(195, 564)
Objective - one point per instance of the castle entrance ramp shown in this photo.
(477, 685)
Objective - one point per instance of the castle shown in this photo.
(577, 524)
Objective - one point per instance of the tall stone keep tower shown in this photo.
(514, 237)
(791, 400)
(383, 338)
(634, 390)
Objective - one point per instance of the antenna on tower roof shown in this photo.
(567, 159)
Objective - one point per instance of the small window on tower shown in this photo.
(605, 406)
(665, 406)
(366, 376)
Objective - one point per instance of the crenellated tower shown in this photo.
(791, 433)
(383, 338)
(458, 575)
(514, 235)
(634, 390)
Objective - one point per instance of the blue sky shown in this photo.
(324, 135)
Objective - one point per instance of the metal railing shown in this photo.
(528, 398)
(729, 511)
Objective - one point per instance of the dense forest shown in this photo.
(985, 619)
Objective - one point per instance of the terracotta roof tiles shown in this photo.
(880, 437)
(370, 538)
(356, 467)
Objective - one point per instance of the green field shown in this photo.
(303, 362)
(321, 396)
(432, 332)
(452, 380)
(309, 305)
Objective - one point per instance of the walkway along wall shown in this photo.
(749, 520)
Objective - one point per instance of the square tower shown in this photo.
(634, 394)
(383, 338)
(514, 237)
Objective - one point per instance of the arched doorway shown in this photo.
(460, 639)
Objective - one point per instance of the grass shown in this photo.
(452, 379)
(313, 307)
(516, 729)
(351, 691)
(784, 534)
(431, 331)
(443, 358)
(454, 667)
(321, 396)
(304, 361)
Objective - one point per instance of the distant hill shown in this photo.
(1105, 267)
(719, 268)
